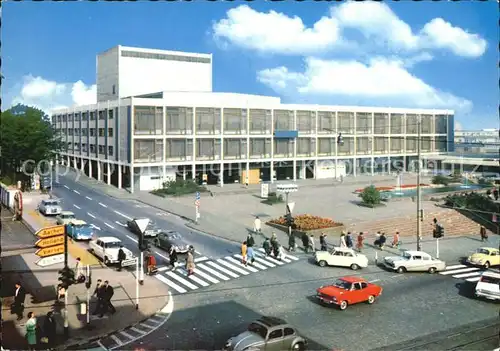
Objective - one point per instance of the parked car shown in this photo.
(49, 207)
(80, 230)
(488, 286)
(165, 240)
(65, 217)
(485, 257)
(348, 291)
(341, 257)
(414, 261)
(106, 248)
(143, 225)
(267, 334)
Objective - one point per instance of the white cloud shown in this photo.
(278, 33)
(46, 94)
(379, 80)
(458, 126)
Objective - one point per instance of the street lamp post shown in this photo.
(419, 190)
(287, 189)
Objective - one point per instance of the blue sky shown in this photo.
(405, 54)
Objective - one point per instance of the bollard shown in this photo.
(376, 257)
(83, 308)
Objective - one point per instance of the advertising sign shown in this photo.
(264, 190)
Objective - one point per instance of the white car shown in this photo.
(49, 207)
(414, 261)
(66, 217)
(488, 286)
(107, 247)
(341, 257)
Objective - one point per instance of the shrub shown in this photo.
(482, 205)
(441, 180)
(371, 196)
(273, 198)
(179, 187)
(306, 222)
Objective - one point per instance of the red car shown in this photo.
(348, 291)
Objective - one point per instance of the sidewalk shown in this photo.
(41, 282)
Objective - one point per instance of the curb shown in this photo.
(99, 342)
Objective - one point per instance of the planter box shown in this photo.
(334, 231)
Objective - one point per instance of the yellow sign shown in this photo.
(50, 231)
(50, 251)
(52, 241)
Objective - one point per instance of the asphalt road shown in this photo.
(110, 216)
(412, 305)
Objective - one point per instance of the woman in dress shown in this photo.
(190, 262)
(31, 330)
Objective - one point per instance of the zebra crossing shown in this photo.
(214, 271)
(461, 271)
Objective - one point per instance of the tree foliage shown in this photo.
(371, 196)
(26, 134)
(441, 180)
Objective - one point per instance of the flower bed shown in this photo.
(392, 188)
(307, 222)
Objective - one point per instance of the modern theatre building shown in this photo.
(157, 119)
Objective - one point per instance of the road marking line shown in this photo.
(138, 331)
(116, 340)
(234, 268)
(195, 279)
(67, 187)
(255, 264)
(467, 275)
(222, 269)
(124, 216)
(249, 267)
(95, 227)
(110, 226)
(161, 269)
(159, 254)
(133, 239)
(261, 260)
(91, 215)
(78, 207)
(88, 197)
(123, 225)
(373, 281)
(269, 258)
(475, 279)
(261, 249)
(170, 284)
(76, 192)
(146, 325)
(459, 271)
(201, 259)
(103, 205)
(456, 266)
(206, 276)
(210, 270)
(125, 334)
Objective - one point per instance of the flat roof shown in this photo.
(155, 51)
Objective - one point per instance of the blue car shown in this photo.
(80, 230)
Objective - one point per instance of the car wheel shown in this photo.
(343, 305)
(371, 299)
(106, 261)
(298, 347)
(322, 263)
(487, 265)
(354, 266)
(401, 269)
(432, 270)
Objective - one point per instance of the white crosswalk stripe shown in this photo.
(210, 271)
(460, 271)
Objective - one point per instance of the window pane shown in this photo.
(148, 120)
(260, 121)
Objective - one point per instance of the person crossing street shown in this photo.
(291, 242)
(266, 245)
(244, 250)
(250, 240)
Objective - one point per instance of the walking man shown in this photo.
(291, 242)
(305, 242)
(348, 240)
(173, 257)
(108, 295)
(257, 225)
(266, 245)
(99, 294)
(322, 242)
(483, 233)
(250, 255)
(250, 240)
(19, 298)
(190, 262)
(121, 258)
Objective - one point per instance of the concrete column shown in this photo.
(221, 175)
(184, 172)
(90, 169)
(315, 171)
(193, 171)
(372, 170)
(99, 171)
(246, 180)
(303, 170)
(132, 180)
(388, 164)
(74, 163)
(336, 169)
(272, 171)
(68, 162)
(294, 170)
(82, 165)
(109, 173)
(355, 165)
(119, 176)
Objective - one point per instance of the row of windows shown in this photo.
(84, 116)
(167, 57)
(87, 132)
(101, 149)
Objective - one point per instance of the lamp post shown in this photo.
(419, 190)
(287, 189)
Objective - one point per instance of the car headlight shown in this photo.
(229, 343)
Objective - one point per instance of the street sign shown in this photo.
(50, 251)
(197, 196)
(50, 260)
(52, 241)
(50, 231)
(129, 262)
(291, 205)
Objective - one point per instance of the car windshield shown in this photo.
(82, 226)
(68, 216)
(258, 329)
(113, 244)
(342, 284)
(490, 280)
(482, 251)
(406, 255)
(51, 203)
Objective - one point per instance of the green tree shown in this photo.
(439, 179)
(371, 196)
(26, 134)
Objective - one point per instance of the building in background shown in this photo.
(485, 141)
(168, 126)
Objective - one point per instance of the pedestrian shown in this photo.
(395, 240)
(173, 257)
(483, 233)
(80, 277)
(151, 263)
(342, 240)
(49, 330)
(380, 242)
(281, 253)
(250, 255)
(108, 293)
(19, 298)
(61, 292)
(244, 251)
(276, 248)
(99, 294)
(360, 240)
(322, 242)
(495, 194)
(121, 257)
(266, 245)
(274, 239)
(291, 242)
(31, 331)
(305, 242)
(190, 262)
(348, 240)
(311, 243)
(250, 240)
(257, 225)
